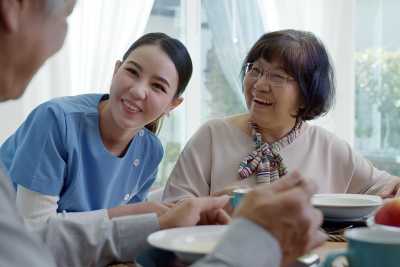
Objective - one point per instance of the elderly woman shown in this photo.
(287, 81)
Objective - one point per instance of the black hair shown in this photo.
(178, 54)
(304, 58)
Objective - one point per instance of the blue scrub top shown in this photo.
(58, 151)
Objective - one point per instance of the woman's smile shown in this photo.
(263, 101)
(130, 107)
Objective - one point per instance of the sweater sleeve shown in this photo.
(265, 250)
(97, 244)
(191, 174)
(37, 209)
(19, 247)
(59, 242)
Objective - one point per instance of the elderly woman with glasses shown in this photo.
(287, 81)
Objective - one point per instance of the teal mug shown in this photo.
(238, 195)
(369, 247)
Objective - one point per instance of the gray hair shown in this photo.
(52, 4)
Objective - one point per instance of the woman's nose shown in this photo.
(262, 85)
(138, 91)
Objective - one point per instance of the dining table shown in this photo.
(153, 257)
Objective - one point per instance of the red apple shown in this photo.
(389, 214)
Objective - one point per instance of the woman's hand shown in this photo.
(139, 208)
(391, 189)
(194, 211)
(229, 192)
(226, 191)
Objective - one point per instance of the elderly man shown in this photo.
(276, 221)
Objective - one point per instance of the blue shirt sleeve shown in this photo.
(39, 158)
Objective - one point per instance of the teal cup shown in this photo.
(238, 195)
(369, 247)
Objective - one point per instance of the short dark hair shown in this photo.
(303, 57)
(178, 54)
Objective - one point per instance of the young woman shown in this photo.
(95, 153)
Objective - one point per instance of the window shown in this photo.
(377, 76)
(215, 88)
(219, 33)
(166, 17)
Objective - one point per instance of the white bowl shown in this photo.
(346, 206)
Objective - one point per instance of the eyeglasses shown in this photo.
(275, 79)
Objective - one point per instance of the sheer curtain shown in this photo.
(235, 25)
(333, 22)
(99, 33)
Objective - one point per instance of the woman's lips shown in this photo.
(261, 101)
(130, 107)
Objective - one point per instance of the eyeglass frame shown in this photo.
(248, 68)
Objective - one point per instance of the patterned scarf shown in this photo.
(265, 161)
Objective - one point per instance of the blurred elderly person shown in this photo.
(287, 81)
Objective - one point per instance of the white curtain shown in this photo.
(99, 33)
(333, 22)
(235, 26)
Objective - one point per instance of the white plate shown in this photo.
(192, 243)
(189, 243)
(346, 206)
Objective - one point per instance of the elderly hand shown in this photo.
(194, 211)
(284, 210)
(391, 189)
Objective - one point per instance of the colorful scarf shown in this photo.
(265, 161)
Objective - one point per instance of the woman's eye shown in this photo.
(133, 71)
(277, 76)
(256, 70)
(159, 87)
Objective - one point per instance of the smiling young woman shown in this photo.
(99, 152)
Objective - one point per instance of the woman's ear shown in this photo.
(117, 65)
(175, 102)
